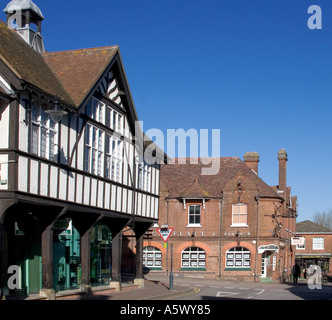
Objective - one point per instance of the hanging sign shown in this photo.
(298, 241)
(165, 233)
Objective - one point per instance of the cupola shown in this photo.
(25, 17)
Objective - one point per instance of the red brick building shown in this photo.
(230, 225)
(314, 246)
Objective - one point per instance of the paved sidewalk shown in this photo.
(152, 290)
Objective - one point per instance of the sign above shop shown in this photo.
(268, 247)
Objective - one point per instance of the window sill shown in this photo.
(239, 226)
(192, 269)
(237, 269)
(194, 226)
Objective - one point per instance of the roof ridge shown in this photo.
(82, 49)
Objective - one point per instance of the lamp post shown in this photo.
(171, 271)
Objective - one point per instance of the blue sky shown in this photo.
(252, 69)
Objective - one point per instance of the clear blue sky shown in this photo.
(252, 69)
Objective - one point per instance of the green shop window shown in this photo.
(100, 255)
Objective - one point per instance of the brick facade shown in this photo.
(256, 248)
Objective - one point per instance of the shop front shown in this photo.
(306, 261)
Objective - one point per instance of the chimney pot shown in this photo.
(251, 159)
(282, 157)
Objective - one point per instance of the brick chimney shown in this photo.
(282, 157)
(251, 159)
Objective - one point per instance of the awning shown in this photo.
(313, 255)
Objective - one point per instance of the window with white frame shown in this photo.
(239, 214)
(238, 257)
(318, 243)
(115, 120)
(193, 257)
(94, 150)
(43, 134)
(144, 176)
(152, 257)
(194, 215)
(114, 148)
(95, 109)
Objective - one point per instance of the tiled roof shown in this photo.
(69, 75)
(194, 190)
(79, 70)
(180, 179)
(309, 226)
(28, 64)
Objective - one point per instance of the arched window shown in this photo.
(238, 257)
(193, 257)
(151, 257)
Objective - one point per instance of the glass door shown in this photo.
(263, 265)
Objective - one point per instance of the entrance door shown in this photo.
(264, 265)
(33, 264)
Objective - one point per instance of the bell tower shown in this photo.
(26, 18)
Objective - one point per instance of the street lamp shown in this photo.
(57, 113)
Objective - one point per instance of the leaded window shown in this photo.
(238, 257)
(193, 257)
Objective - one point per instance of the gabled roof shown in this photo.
(195, 191)
(178, 179)
(308, 226)
(28, 65)
(79, 70)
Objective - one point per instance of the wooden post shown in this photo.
(47, 264)
(85, 258)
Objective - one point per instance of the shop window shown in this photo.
(152, 257)
(318, 243)
(194, 215)
(193, 257)
(100, 255)
(238, 258)
(239, 214)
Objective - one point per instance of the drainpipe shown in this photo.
(256, 253)
(220, 235)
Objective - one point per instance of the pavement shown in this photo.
(152, 290)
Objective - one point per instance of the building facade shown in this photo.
(72, 167)
(313, 247)
(230, 225)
